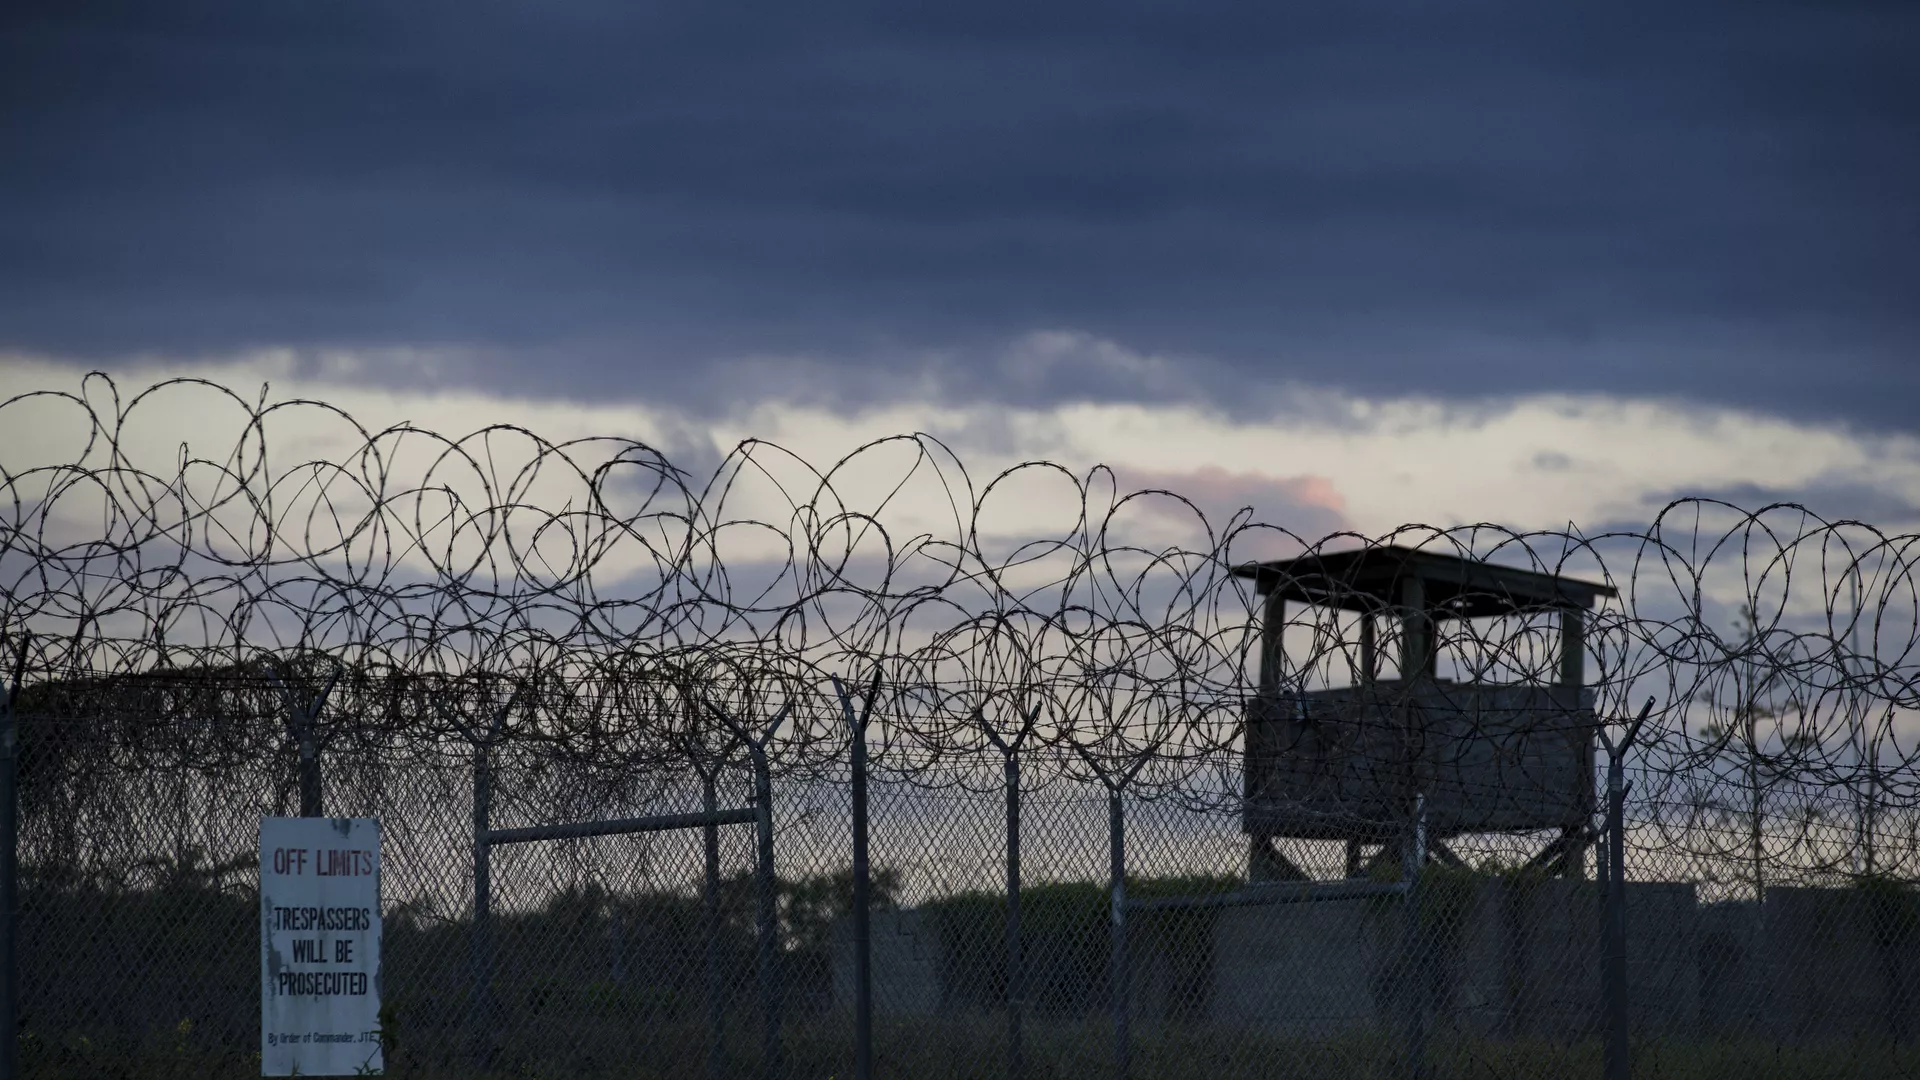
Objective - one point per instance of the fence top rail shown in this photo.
(1293, 892)
(622, 826)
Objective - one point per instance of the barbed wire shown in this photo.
(168, 597)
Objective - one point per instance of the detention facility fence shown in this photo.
(874, 770)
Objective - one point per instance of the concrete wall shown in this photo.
(1493, 958)
(1298, 969)
(904, 964)
(1810, 965)
(1553, 930)
(1502, 960)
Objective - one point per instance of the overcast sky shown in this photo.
(1358, 263)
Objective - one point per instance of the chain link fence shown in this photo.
(876, 802)
(640, 954)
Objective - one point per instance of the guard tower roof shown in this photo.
(1370, 579)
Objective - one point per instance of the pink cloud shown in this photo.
(1310, 507)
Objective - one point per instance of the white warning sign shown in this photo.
(319, 946)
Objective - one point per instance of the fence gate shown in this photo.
(484, 1017)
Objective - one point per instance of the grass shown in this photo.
(162, 984)
(974, 1045)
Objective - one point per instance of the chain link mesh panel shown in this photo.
(1137, 807)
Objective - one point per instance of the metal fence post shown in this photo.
(311, 802)
(483, 1013)
(862, 884)
(862, 917)
(1618, 1053)
(303, 718)
(767, 919)
(710, 838)
(1618, 1061)
(1118, 980)
(1117, 872)
(1016, 967)
(480, 1013)
(1016, 963)
(1418, 950)
(480, 955)
(10, 869)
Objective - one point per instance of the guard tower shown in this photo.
(1351, 763)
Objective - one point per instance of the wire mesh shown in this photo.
(1363, 827)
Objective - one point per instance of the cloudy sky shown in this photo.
(1352, 264)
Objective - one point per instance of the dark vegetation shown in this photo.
(114, 974)
(162, 982)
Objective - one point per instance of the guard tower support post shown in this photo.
(1419, 651)
(1273, 624)
(1265, 860)
(1575, 842)
(1261, 853)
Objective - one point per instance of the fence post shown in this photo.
(480, 1013)
(710, 837)
(862, 884)
(480, 954)
(10, 868)
(1016, 964)
(303, 718)
(1618, 1063)
(767, 919)
(862, 918)
(311, 802)
(767, 926)
(1118, 979)
(482, 951)
(1418, 949)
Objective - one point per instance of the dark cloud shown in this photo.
(1832, 499)
(1719, 202)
